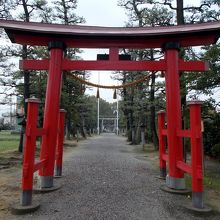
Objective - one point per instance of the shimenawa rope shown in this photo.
(145, 78)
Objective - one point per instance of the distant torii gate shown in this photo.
(59, 37)
(102, 119)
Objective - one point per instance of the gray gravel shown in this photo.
(105, 179)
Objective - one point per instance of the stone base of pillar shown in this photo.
(175, 183)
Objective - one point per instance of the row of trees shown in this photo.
(139, 104)
(28, 83)
(149, 97)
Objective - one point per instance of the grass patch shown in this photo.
(8, 141)
(210, 181)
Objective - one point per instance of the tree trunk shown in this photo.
(153, 114)
(21, 141)
(68, 127)
(26, 81)
(180, 21)
(82, 131)
(128, 129)
(26, 96)
(138, 133)
(179, 12)
(152, 108)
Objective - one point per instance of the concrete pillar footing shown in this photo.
(205, 211)
(18, 209)
(175, 183)
(175, 191)
(46, 189)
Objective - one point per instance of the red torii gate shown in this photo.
(59, 37)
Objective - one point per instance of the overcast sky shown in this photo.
(101, 13)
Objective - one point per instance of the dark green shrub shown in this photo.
(215, 151)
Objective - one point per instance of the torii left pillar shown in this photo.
(51, 113)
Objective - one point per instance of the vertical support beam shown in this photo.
(51, 112)
(60, 139)
(162, 143)
(29, 151)
(113, 54)
(175, 178)
(196, 154)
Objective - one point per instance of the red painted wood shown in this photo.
(165, 157)
(173, 110)
(39, 164)
(77, 36)
(113, 65)
(162, 138)
(30, 145)
(120, 43)
(184, 133)
(60, 140)
(51, 111)
(184, 167)
(164, 132)
(113, 54)
(196, 146)
(34, 64)
(41, 132)
(95, 65)
(193, 66)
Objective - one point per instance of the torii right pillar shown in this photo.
(175, 178)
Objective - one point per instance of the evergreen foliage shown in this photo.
(193, 85)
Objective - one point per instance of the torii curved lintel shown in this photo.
(80, 36)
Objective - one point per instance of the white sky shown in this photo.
(101, 13)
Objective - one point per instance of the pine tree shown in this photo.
(141, 16)
(64, 13)
(15, 80)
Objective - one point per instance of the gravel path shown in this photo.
(105, 179)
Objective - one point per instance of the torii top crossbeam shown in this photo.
(79, 36)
